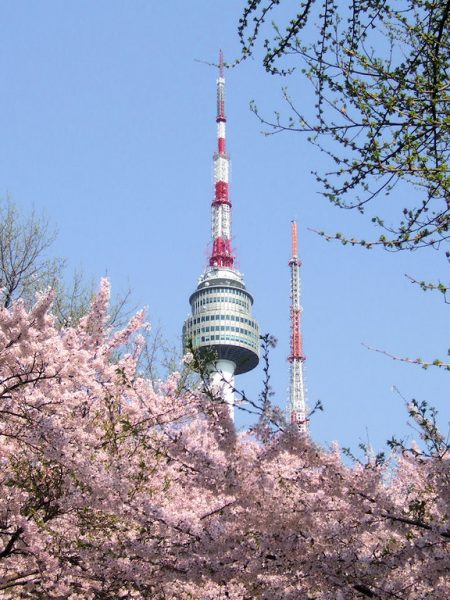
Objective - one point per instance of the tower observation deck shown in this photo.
(221, 324)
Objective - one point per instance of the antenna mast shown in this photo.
(221, 253)
(297, 402)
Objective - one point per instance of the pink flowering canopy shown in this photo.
(111, 489)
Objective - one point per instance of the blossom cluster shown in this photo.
(110, 489)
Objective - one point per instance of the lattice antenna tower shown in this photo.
(221, 252)
(297, 401)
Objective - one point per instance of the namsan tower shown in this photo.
(297, 402)
(221, 327)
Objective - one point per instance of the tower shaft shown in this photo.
(297, 401)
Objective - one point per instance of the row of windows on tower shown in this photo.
(224, 328)
(223, 318)
(203, 301)
(222, 338)
(220, 290)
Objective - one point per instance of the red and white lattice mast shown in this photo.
(221, 253)
(297, 401)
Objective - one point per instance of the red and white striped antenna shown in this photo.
(221, 253)
(297, 401)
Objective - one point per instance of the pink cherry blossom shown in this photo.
(112, 489)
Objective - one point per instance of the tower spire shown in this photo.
(296, 357)
(221, 253)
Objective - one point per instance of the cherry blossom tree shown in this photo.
(115, 488)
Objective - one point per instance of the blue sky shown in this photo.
(107, 126)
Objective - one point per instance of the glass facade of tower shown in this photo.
(222, 320)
